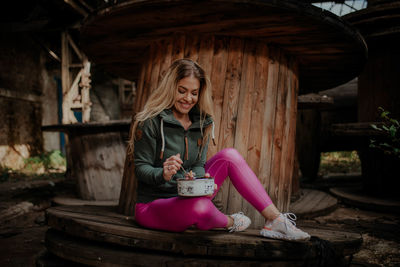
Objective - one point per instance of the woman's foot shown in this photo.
(240, 222)
(284, 228)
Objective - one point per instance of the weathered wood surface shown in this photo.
(94, 254)
(15, 211)
(71, 201)
(96, 156)
(256, 108)
(97, 163)
(331, 52)
(308, 142)
(356, 196)
(313, 203)
(104, 225)
(314, 101)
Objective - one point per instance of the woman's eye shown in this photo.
(195, 93)
(181, 91)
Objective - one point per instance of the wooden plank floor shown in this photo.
(104, 226)
(313, 203)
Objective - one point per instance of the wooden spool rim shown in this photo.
(103, 224)
(329, 50)
(377, 21)
(110, 126)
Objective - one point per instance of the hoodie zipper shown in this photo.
(186, 146)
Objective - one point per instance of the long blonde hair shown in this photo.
(163, 97)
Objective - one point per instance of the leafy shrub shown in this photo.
(390, 129)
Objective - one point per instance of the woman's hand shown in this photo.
(171, 166)
(215, 185)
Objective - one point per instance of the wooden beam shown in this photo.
(75, 47)
(65, 63)
(76, 7)
(19, 95)
(314, 101)
(88, 7)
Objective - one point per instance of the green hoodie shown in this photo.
(148, 157)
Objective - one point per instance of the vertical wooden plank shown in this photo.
(269, 119)
(139, 92)
(285, 173)
(178, 50)
(167, 46)
(206, 51)
(65, 77)
(231, 95)
(256, 128)
(158, 56)
(143, 91)
(279, 124)
(217, 77)
(245, 107)
(291, 114)
(86, 104)
(231, 98)
(192, 47)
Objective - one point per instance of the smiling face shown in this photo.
(187, 95)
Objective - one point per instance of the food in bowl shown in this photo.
(196, 187)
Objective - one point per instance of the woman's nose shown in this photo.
(187, 97)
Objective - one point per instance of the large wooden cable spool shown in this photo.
(259, 55)
(378, 86)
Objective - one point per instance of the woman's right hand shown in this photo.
(171, 166)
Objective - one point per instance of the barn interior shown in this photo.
(67, 108)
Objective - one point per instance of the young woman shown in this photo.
(172, 132)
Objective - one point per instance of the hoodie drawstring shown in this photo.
(162, 139)
(212, 133)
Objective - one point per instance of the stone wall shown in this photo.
(24, 83)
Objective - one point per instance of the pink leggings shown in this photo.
(178, 213)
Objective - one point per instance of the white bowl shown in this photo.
(196, 187)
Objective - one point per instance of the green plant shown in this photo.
(390, 129)
(44, 162)
(339, 162)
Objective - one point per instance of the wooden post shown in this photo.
(72, 97)
(85, 84)
(255, 99)
(65, 76)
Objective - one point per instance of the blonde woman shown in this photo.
(173, 131)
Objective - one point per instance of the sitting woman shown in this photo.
(172, 134)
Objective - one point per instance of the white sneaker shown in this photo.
(284, 228)
(240, 222)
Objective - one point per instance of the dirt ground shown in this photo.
(23, 227)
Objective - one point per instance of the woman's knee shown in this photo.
(230, 154)
(202, 207)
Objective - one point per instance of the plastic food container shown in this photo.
(194, 188)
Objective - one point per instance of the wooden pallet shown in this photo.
(100, 236)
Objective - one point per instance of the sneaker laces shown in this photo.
(291, 217)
